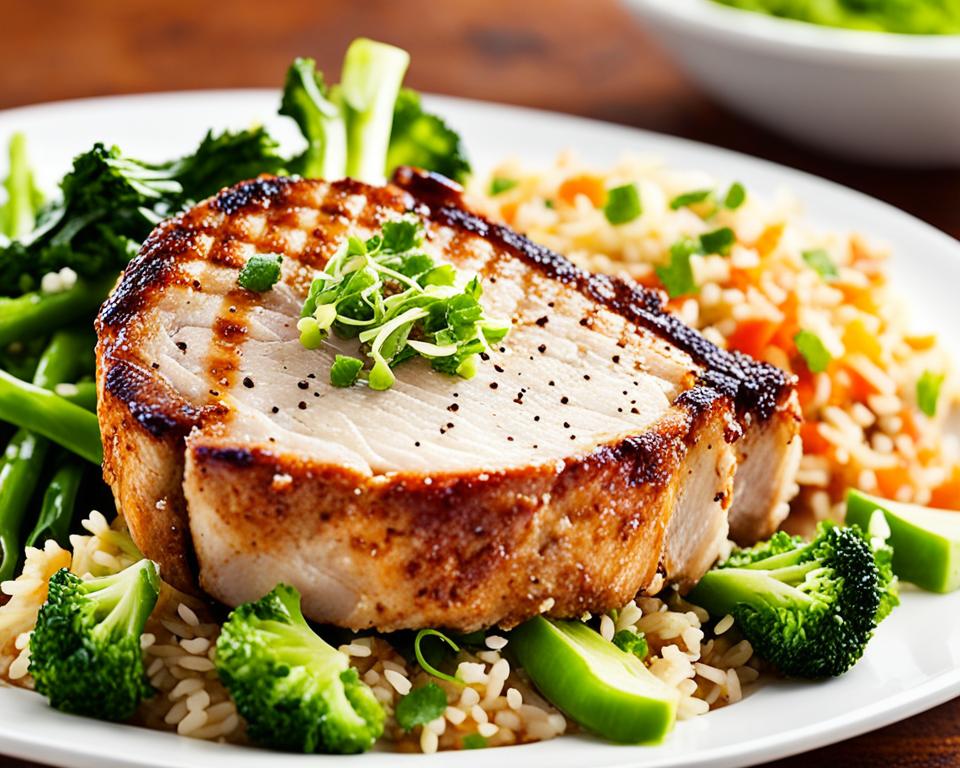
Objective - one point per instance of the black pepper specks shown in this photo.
(542, 348)
(275, 409)
(564, 400)
(182, 346)
(302, 405)
(303, 384)
(542, 321)
(248, 382)
(453, 407)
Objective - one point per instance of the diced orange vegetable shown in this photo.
(584, 184)
(858, 340)
(805, 388)
(509, 211)
(860, 388)
(891, 480)
(947, 494)
(768, 240)
(920, 343)
(909, 427)
(813, 441)
(752, 336)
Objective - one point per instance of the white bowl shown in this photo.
(870, 95)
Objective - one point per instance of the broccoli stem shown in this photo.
(18, 214)
(56, 512)
(69, 425)
(369, 84)
(36, 314)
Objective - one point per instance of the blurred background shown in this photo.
(586, 58)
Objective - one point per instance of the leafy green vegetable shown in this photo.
(391, 296)
(85, 651)
(345, 371)
(19, 211)
(735, 197)
(424, 140)
(473, 741)
(928, 392)
(816, 355)
(820, 261)
(500, 185)
(429, 668)
(369, 86)
(420, 706)
(677, 276)
(810, 609)
(632, 642)
(691, 198)
(318, 112)
(261, 272)
(623, 204)
(718, 241)
(295, 691)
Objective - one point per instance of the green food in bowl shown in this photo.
(910, 17)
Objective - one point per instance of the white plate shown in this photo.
(912, 664)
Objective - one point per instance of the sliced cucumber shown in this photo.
(926, 542)
(596, 684)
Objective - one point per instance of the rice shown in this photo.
(864, 427)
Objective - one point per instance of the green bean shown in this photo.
(56, 512)
(36, 314)
(83, 393)
(19, 474)
(69, 425)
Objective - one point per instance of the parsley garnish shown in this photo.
(498, 185)
(677, 276)
(398, 303)
(261, 272)
(928, 392)
(473, 741)
(735, 197)
(814, 352)
(820, 261)
(420, 706)
(345, 370)
(691, 198)
(719, 241)
(623, 204)
(632, 642)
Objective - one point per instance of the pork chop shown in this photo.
(594, 454)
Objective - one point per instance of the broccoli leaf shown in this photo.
(423, 140)
(632, 642)
(420, 706)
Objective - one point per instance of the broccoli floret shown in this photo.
(777, 544)
(423, 140)
(632, 642)
(85, 650)
(811, 608)
(295, 691)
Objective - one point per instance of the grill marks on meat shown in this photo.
(599, 444)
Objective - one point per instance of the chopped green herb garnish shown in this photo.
(735, 197)
(387, 293)
(814, 352)
(819, 260)
(623, 204)
(691, 198)
(549, 204)
(498, 185)
(473, 741)
(261, 272)
(420, 706)
(928, 392)
(421, 659)
(677, 276)
(632, 642)
(719, 241)
(345, 370)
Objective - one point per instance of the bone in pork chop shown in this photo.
(596, 452)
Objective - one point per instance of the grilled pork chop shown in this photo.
(594, 454)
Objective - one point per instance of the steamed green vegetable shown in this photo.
(808, 608)
(85, 651)
(295, 691)
(604, 689)
(56, 511)
(18, 214)
(926, 542)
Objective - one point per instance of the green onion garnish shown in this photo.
(691, 198)
(677, 276)
(816, 355)
(498, 186)
(928, 392)
(623, 204)
(735, 197)
(719, 241)
(427, 667)
(819, 260)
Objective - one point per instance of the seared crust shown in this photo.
(458, 550)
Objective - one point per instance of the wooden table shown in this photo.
(587, 58)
